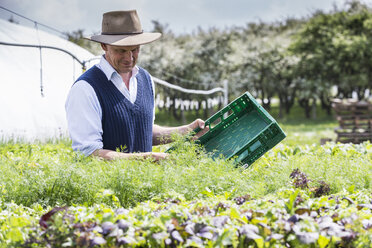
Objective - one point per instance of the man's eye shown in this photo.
(124, 51)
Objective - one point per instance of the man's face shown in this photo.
(122, 58)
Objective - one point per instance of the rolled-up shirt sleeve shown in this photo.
(84, 115)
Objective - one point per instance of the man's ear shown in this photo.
(104, 47)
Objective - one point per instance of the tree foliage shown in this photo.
(295, 59)
(335, 50)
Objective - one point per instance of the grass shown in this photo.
(48, 174)
(51, 174)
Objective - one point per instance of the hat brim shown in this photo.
(125, 40)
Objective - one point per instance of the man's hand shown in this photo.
(163, 135)
(198, 123)
(157, 156)
(111, 155)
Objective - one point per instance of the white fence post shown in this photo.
(225, 92)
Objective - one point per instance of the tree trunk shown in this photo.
(281, 106)
(183, 117)
(174, 110)
(304, 103)
(290, 101)
(267, 105)
(313, 109)
(205, 111)
(326, 104)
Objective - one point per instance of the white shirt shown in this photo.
(84, 113)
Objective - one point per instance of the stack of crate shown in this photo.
(355, 120)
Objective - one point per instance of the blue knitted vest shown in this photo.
(126, 126)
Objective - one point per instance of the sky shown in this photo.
(181, 16)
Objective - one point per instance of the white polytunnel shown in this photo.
(34, 82)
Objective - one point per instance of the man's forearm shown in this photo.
(111, 155)
(163, 135)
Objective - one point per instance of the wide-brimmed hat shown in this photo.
(123, 28)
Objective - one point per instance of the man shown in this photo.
(111, 106)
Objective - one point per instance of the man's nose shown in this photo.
(128, 55)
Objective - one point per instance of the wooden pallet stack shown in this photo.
(355, 120)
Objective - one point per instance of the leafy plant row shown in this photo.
(289, 218)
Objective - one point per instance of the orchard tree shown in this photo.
(267, 70)
(287, 81)
(261, 69)
(335, 49)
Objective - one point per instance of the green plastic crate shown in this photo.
(243, 130)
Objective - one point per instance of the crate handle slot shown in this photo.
(242, 156)
(215, 122)
(254, 146)
(227, 113)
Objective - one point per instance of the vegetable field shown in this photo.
(294, 196)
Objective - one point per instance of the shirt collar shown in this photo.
(110, 71)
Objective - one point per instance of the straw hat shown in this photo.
(123, 28)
